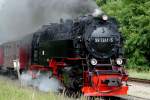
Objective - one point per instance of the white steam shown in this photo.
(43, 82)
(26, 79)
(97, 12)
(47, 84)
(19, 17)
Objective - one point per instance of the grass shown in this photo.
(139, 74)
(12, 91)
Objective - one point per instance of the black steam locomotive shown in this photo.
(84, 37)
(85, 54)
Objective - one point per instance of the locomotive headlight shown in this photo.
(93, 61)
(105, 17)
(119, 61)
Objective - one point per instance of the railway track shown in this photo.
(127, 97)
(131, 79)
(139, 89)
(131, 97)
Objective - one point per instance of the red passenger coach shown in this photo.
(11, 51)
(23, 58)
(1, 57)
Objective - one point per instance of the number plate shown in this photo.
(104, 39)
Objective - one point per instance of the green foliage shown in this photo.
(101, 2)
(139, 74)
(134, 19)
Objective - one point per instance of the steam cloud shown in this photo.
(19, 17)
(43, 82)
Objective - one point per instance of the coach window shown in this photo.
(35, 53)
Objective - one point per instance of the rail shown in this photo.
(139, 80)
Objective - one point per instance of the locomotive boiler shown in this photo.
(85, 54)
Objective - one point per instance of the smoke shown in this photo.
(19, 17)
(26, 79)
(51, 84)
(43, 82)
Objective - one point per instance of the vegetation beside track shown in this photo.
(134, 19)
(139, 74)
(11, 90)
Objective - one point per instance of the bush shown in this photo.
(134, 19)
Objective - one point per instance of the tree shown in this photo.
(134, 19)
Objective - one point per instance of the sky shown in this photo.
(21, 17)
(1, 3)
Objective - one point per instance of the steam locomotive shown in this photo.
(85, 54)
